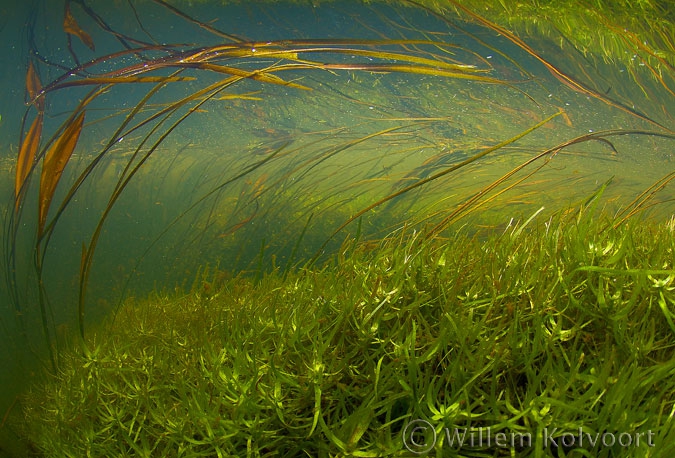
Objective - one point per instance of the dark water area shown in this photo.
(340, 120)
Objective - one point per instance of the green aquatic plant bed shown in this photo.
(538, 338)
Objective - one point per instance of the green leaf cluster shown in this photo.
(559, 324)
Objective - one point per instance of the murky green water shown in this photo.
(262, 175)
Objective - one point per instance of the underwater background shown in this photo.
(167, 148)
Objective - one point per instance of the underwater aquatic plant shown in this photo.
(212, 73)
(440, 120)
(404, 125)
(184, 64)
(544, 334)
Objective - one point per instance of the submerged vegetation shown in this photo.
(635, 34)
(414, 134)
(547, 330)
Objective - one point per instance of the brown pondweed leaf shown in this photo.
(293, 54)
(53, 165)
(236, 226)
(263, 75)
(26, 157)
(422, 70)
(34, 88)
(83, 68)
(121, 80)
(246, 96)
(71, 27)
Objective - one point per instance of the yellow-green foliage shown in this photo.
(560, 324)
(617, 30)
